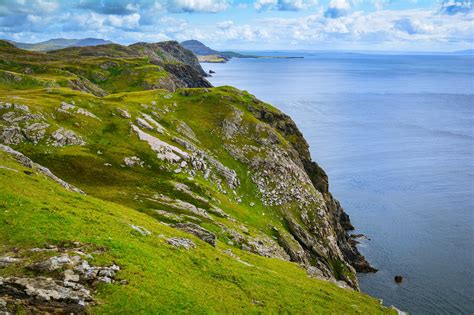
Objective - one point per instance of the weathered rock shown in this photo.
(181, 242)
(232, 124)
(62, 137)
(164, 150)
(18, 117)
(45, 294)
(84, 85)
(5, 105)
(198, 161)
(231, 254)
(133, 161)
(12, 135)
(66, 107)
(70, 276)
(185, 189)
(158, 127)
(3, 307)
(144, 124)
(124, 113)
(51, 264)
(185, 130)
(7, 260)
(182, 205)
(85, 112)
(198, 231)
(35, 132)
(140, 230)
(21, 107)
(219, 212)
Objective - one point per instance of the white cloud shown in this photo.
(452, 7)
(151, 20)
(284, 5)
(337, 8)
(123, 21)
(225, 24)
(211, 6)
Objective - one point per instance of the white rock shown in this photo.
(140, 230)
(124, 113)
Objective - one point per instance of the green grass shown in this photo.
(34, 212)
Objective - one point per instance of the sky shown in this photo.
(351, 25)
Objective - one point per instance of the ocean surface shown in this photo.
(395, 133)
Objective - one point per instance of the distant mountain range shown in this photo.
(60, 43)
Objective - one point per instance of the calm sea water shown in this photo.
(396, 137)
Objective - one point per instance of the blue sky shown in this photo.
(389, 25)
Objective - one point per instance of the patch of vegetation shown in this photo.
(35, 212)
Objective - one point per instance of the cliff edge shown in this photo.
(132, 174)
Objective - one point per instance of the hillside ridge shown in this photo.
(60, 43)
(180, 168)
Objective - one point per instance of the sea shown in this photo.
(395, 134)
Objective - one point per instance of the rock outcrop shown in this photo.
(339, 219)
(62, 284)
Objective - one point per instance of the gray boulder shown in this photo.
(12, 135)
(198, 231)
(181, 243)
(63, 137)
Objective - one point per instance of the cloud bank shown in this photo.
(247, 24)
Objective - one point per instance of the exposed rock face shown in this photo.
(182, 206)
(132, 161)
(7, 260)
(186, 76)
(171, 51)
(46, 294)
(318, 237)
(198, 231)
(140, 230)
(19, 125)
(200, 160)
(72, 109)
(87, 86)
(181, 243)
(124, 113)
(67, 289)
(63, 137)
(12, 135)
(35, 132)
(164, 150)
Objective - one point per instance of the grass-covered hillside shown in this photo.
(121, 194)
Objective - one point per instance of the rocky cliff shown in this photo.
(215, 169)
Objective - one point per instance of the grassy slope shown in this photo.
(35, 211)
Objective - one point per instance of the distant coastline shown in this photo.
(206, 54)
(203, 59)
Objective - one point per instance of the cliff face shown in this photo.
(229, 172)
(340, 220)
